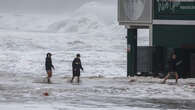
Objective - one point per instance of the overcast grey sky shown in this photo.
(47, 6)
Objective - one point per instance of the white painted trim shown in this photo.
(174, 22)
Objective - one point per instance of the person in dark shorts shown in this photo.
(76, 67)
(49, 66)
(172, 68)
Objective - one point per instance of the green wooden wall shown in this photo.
(173, 36)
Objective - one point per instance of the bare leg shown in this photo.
(176, 77)
(49, 81)
(72, 79)
(166, 78)
(49, 73)
(78, 80)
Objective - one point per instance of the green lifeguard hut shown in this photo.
(171, 25)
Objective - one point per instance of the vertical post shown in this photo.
(150, 35)
(131, 52)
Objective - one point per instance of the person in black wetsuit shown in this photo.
(49, 66)
(76, 66)
(172, 68)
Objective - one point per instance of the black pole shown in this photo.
(131, 52)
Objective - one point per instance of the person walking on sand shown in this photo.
(49, 66)
(172, 68)
(76, 66)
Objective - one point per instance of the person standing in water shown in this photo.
(76, 66)
(172, 68)
(49, 66)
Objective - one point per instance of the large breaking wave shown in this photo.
(90, 17)
(91, 30)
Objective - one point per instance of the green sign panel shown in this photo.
(174, 9)
(173, 36)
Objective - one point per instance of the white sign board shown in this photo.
(135, 11)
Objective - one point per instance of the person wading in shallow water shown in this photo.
(76, 66)
(49, 66)
(172, 68)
